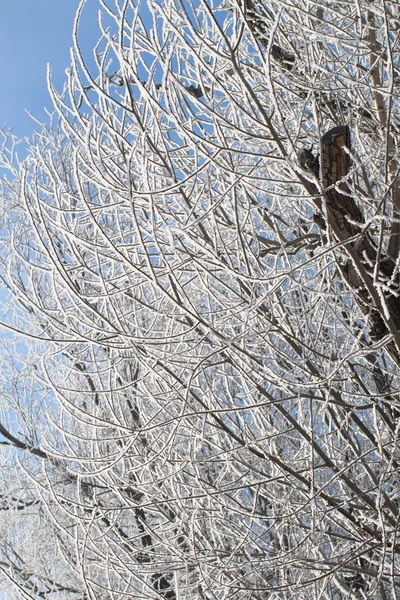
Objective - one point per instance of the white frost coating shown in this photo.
(198, 375)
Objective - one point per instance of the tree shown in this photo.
(201, 380)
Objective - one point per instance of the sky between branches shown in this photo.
(32, 34)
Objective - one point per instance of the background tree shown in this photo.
(201, 255)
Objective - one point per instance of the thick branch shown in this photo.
(346, 222)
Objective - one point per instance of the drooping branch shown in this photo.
(22, 445)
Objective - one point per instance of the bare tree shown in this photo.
(201, 254)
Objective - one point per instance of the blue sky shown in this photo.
(33, 33)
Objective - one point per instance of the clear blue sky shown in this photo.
(33, 33)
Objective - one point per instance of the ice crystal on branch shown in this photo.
(200, 370)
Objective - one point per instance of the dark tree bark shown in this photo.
(347, 223)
